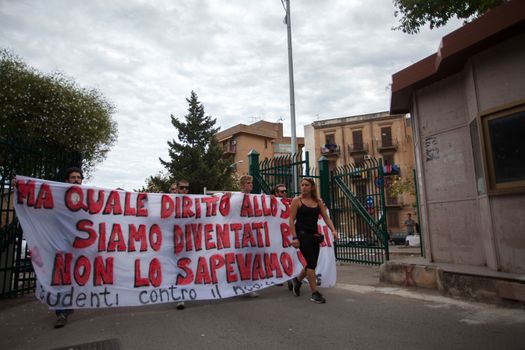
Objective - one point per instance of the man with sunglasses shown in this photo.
(280, 191)
(183, 187)
(180, 187)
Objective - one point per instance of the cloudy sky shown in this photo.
(146, 56)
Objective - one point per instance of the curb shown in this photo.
(455, 284)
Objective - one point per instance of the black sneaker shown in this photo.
(296, 287)
(61, 320)
(318, 298)
(180, 305)
(290, 285)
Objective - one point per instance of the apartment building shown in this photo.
(383, 135)
(264, 137)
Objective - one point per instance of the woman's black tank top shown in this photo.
(306, 218)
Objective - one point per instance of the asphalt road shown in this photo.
(355, 317)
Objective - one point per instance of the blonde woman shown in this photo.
(304, 212)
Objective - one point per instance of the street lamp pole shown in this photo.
(292, 93)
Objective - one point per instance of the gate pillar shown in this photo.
(253, 169)
(324, 186)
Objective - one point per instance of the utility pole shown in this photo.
(292, 93)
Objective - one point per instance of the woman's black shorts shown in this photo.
(309, 248)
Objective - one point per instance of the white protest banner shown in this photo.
(93, 247)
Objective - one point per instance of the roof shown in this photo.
(261, 128)
(354, 119)
(496, 25)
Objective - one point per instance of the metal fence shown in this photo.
(43, 161)
(278, 170)
(359, 212)
(354, 193)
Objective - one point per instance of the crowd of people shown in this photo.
(304, 212)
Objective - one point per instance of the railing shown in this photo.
(329, 150)
(358, 148)
(277, 170)
(384, 145)
(42, 161)
(230, 149)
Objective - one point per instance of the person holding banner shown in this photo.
(246, 184)
(304, 213)
(279, 191)
(73, 176)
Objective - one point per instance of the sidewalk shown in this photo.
(407, 268)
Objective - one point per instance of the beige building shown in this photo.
(468, 105)
(379, 135)
(264, 137)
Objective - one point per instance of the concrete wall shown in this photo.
(467, 227)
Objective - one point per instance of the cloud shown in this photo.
(147, 56)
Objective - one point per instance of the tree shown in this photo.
(401, 185)
(197, 156)
(159, 183)
(45, 110)
(416, 13)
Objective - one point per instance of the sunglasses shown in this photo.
(184, 187)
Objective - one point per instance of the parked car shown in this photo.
(398, 238)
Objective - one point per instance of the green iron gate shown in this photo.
(278, 170)
(41, 161)
(359, 212)
(354, 194)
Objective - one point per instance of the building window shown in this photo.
(386, 137)
(266, 144)
(503, 133)
(357, 139)
(330, 139)
(330, 146)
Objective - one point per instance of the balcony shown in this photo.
(391, 169)
(229, 150)
(330, 150)
(387, 145)
(393, 201)
(356, 148)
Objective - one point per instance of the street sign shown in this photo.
(370, 201)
